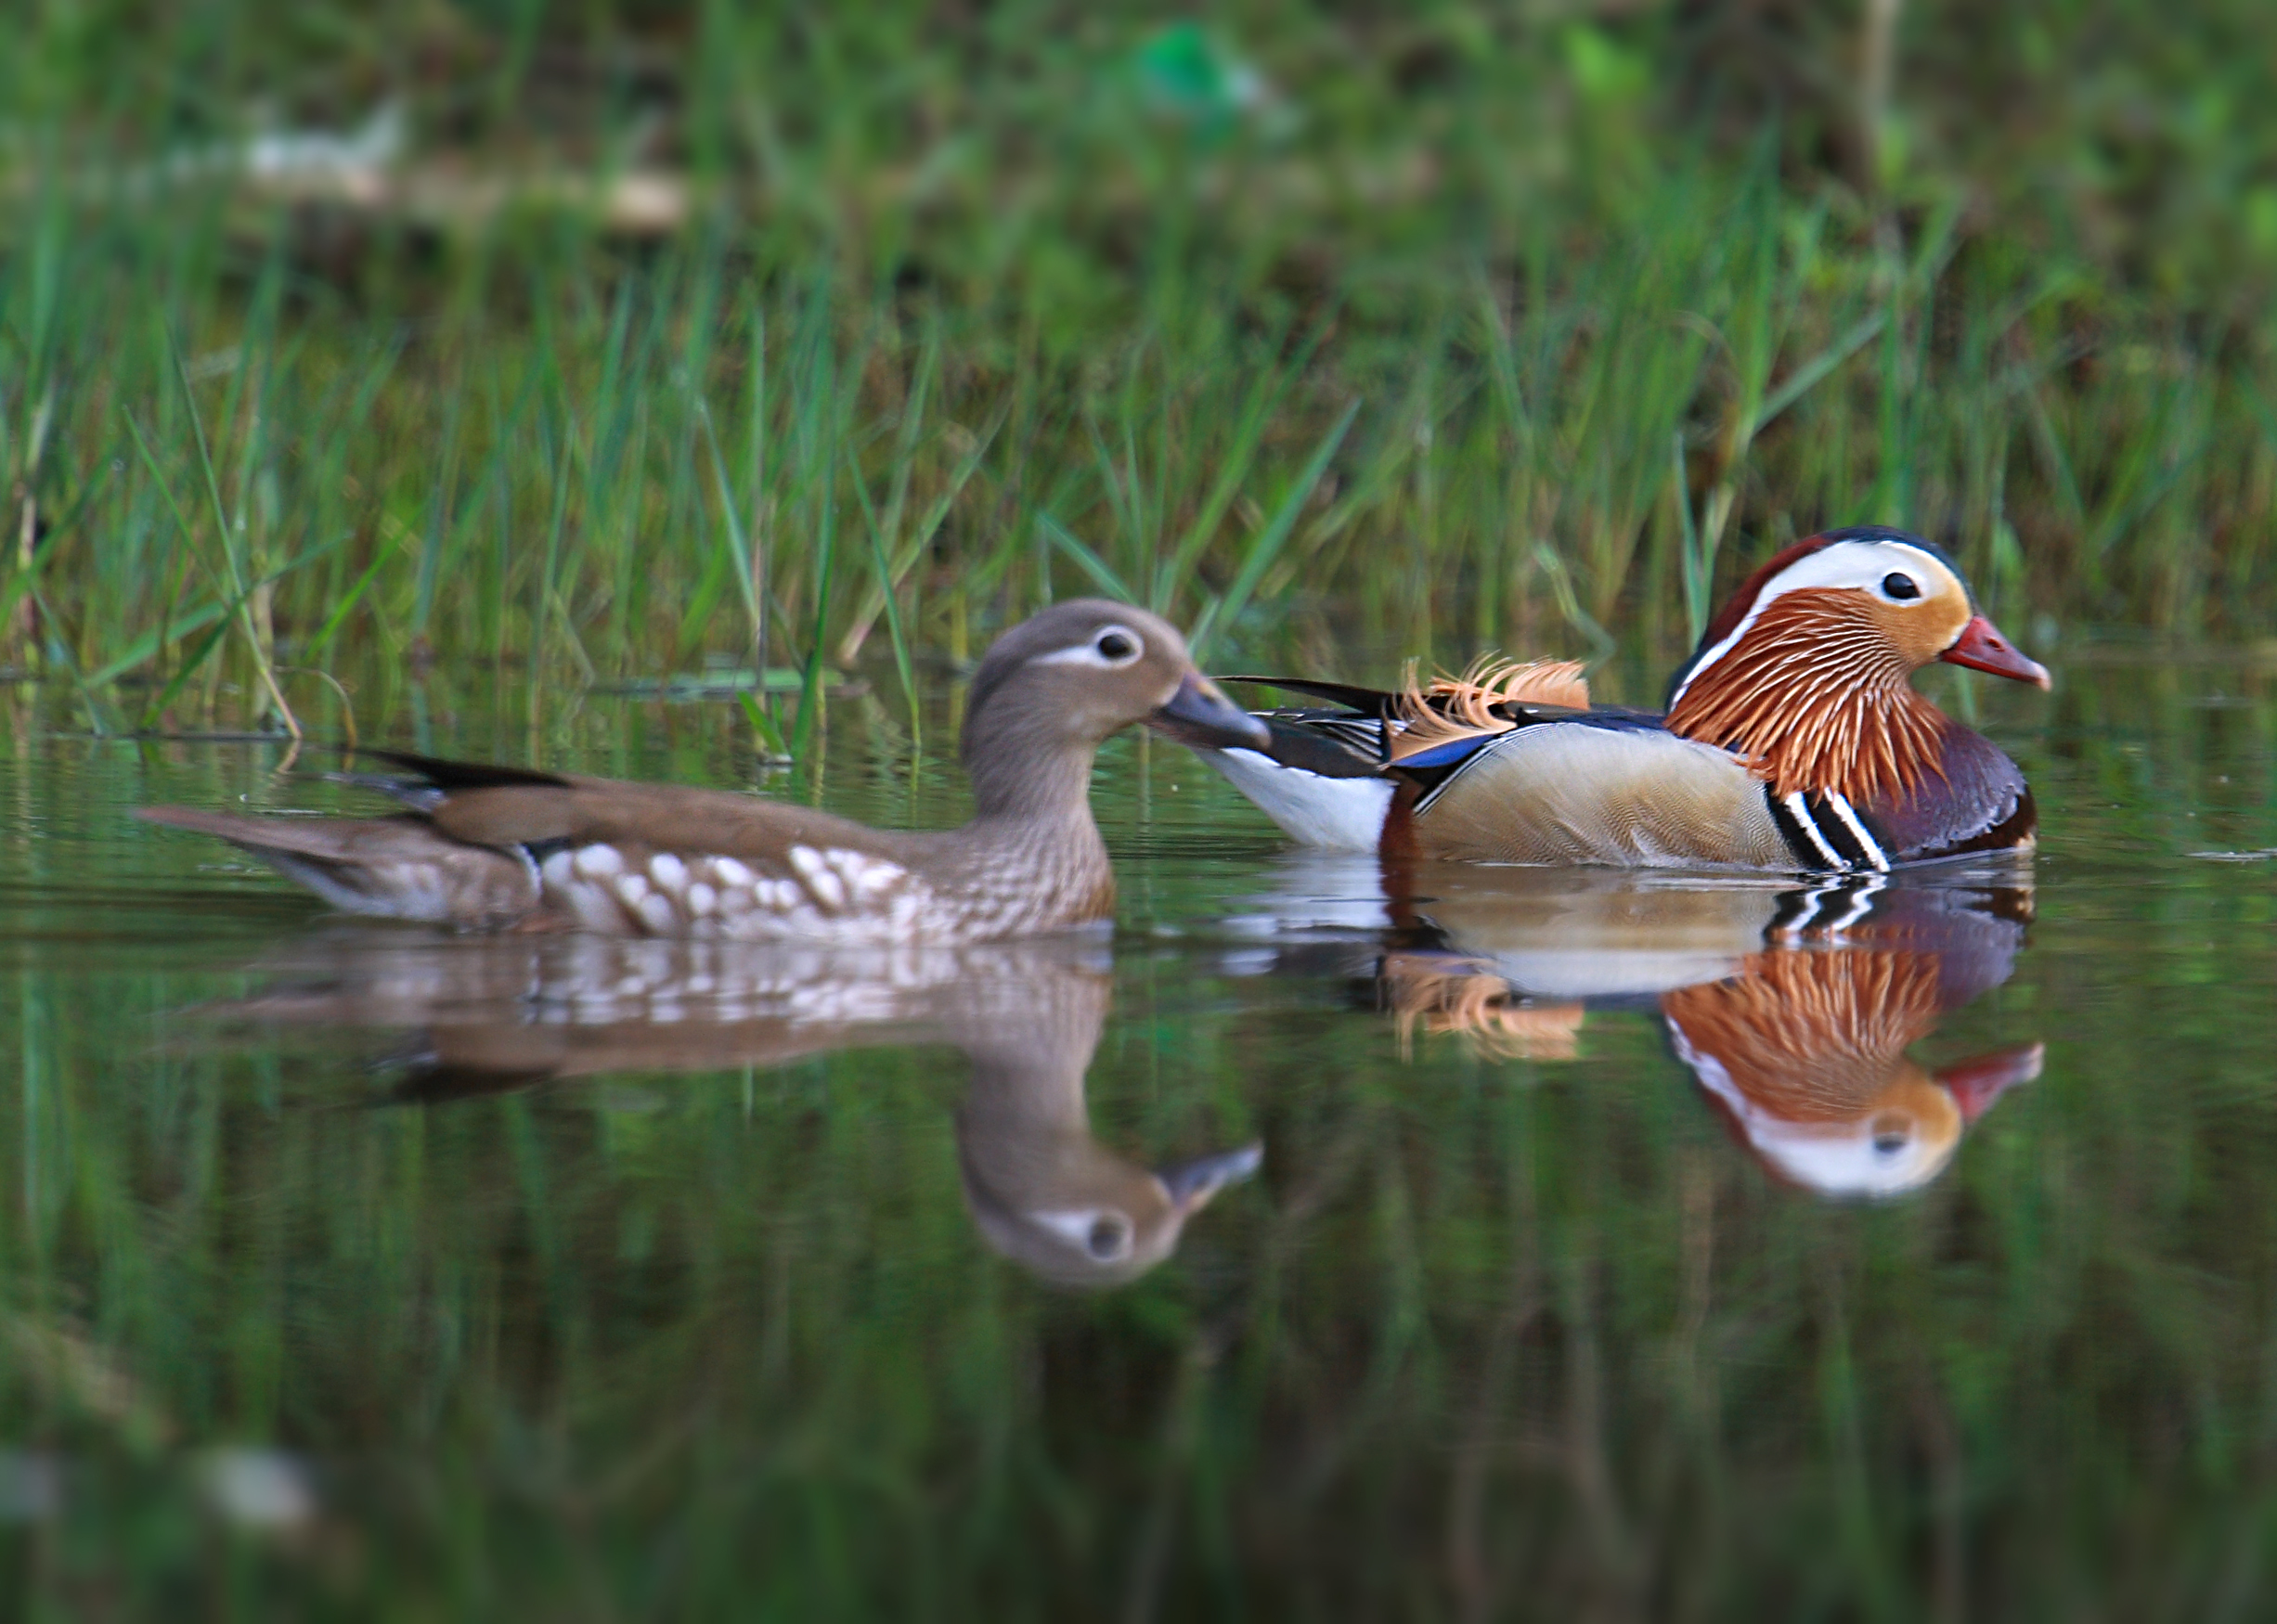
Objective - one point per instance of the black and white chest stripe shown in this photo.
(1824, 831)
(1824, 911)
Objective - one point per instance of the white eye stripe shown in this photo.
(1103, 1234)
(1860, 564)
(1096, 650)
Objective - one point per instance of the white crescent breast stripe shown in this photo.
(1801, 814)
(1867, 844)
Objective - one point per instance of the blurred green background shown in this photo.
(533, 351)
(604, 341)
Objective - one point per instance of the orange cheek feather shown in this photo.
(1919, 632)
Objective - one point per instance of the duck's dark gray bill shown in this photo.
(1191, 1183)
(1200, 716)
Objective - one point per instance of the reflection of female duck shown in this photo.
(510, 1012)
(1043, 1190)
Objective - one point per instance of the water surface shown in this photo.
(1487, 1244)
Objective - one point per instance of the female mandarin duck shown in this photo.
(499, 848)
(1794, 739)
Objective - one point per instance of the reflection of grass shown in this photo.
(959, 322)
(1486, 1338)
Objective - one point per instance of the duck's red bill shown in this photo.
(1975, 1084)
(1982, 648)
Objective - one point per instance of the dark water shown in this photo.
(1504, 1244)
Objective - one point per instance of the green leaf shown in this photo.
(769, 737)
(1089, 561)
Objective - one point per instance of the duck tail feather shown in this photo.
(1483, 701)
(451, 776)
(1373, 701)
(386, 868)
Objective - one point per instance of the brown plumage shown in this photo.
(1818, 697)
(1813, 1036)
(487, 848)
(1806, 1052)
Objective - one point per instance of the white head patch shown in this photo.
(1101, 1234)
(1864, 1158)
(1864, 566)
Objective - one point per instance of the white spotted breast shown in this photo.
(822, 895)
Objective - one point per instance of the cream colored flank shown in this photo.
(1566, 794)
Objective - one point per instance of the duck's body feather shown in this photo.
(1337, 811)
(550, 853)
(1579, 791)
(1608, 786)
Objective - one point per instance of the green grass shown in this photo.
(1474, 331)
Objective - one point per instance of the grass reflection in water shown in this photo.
(1521, 1313)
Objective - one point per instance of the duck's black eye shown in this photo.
(1105, 1238)
(1900, 586)
(1115, 647)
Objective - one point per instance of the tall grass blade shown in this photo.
(1102, 575)
(892, 614)
(241, 598)
(1265, 547)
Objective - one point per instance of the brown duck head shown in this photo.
(1044, 1191)
(1804, 671)
(1054, 687)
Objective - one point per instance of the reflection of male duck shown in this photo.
(1793, 1007)
(504, 1013)
(1805, 1053)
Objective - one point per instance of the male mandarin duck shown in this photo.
(1792, 741)
(502, 847)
